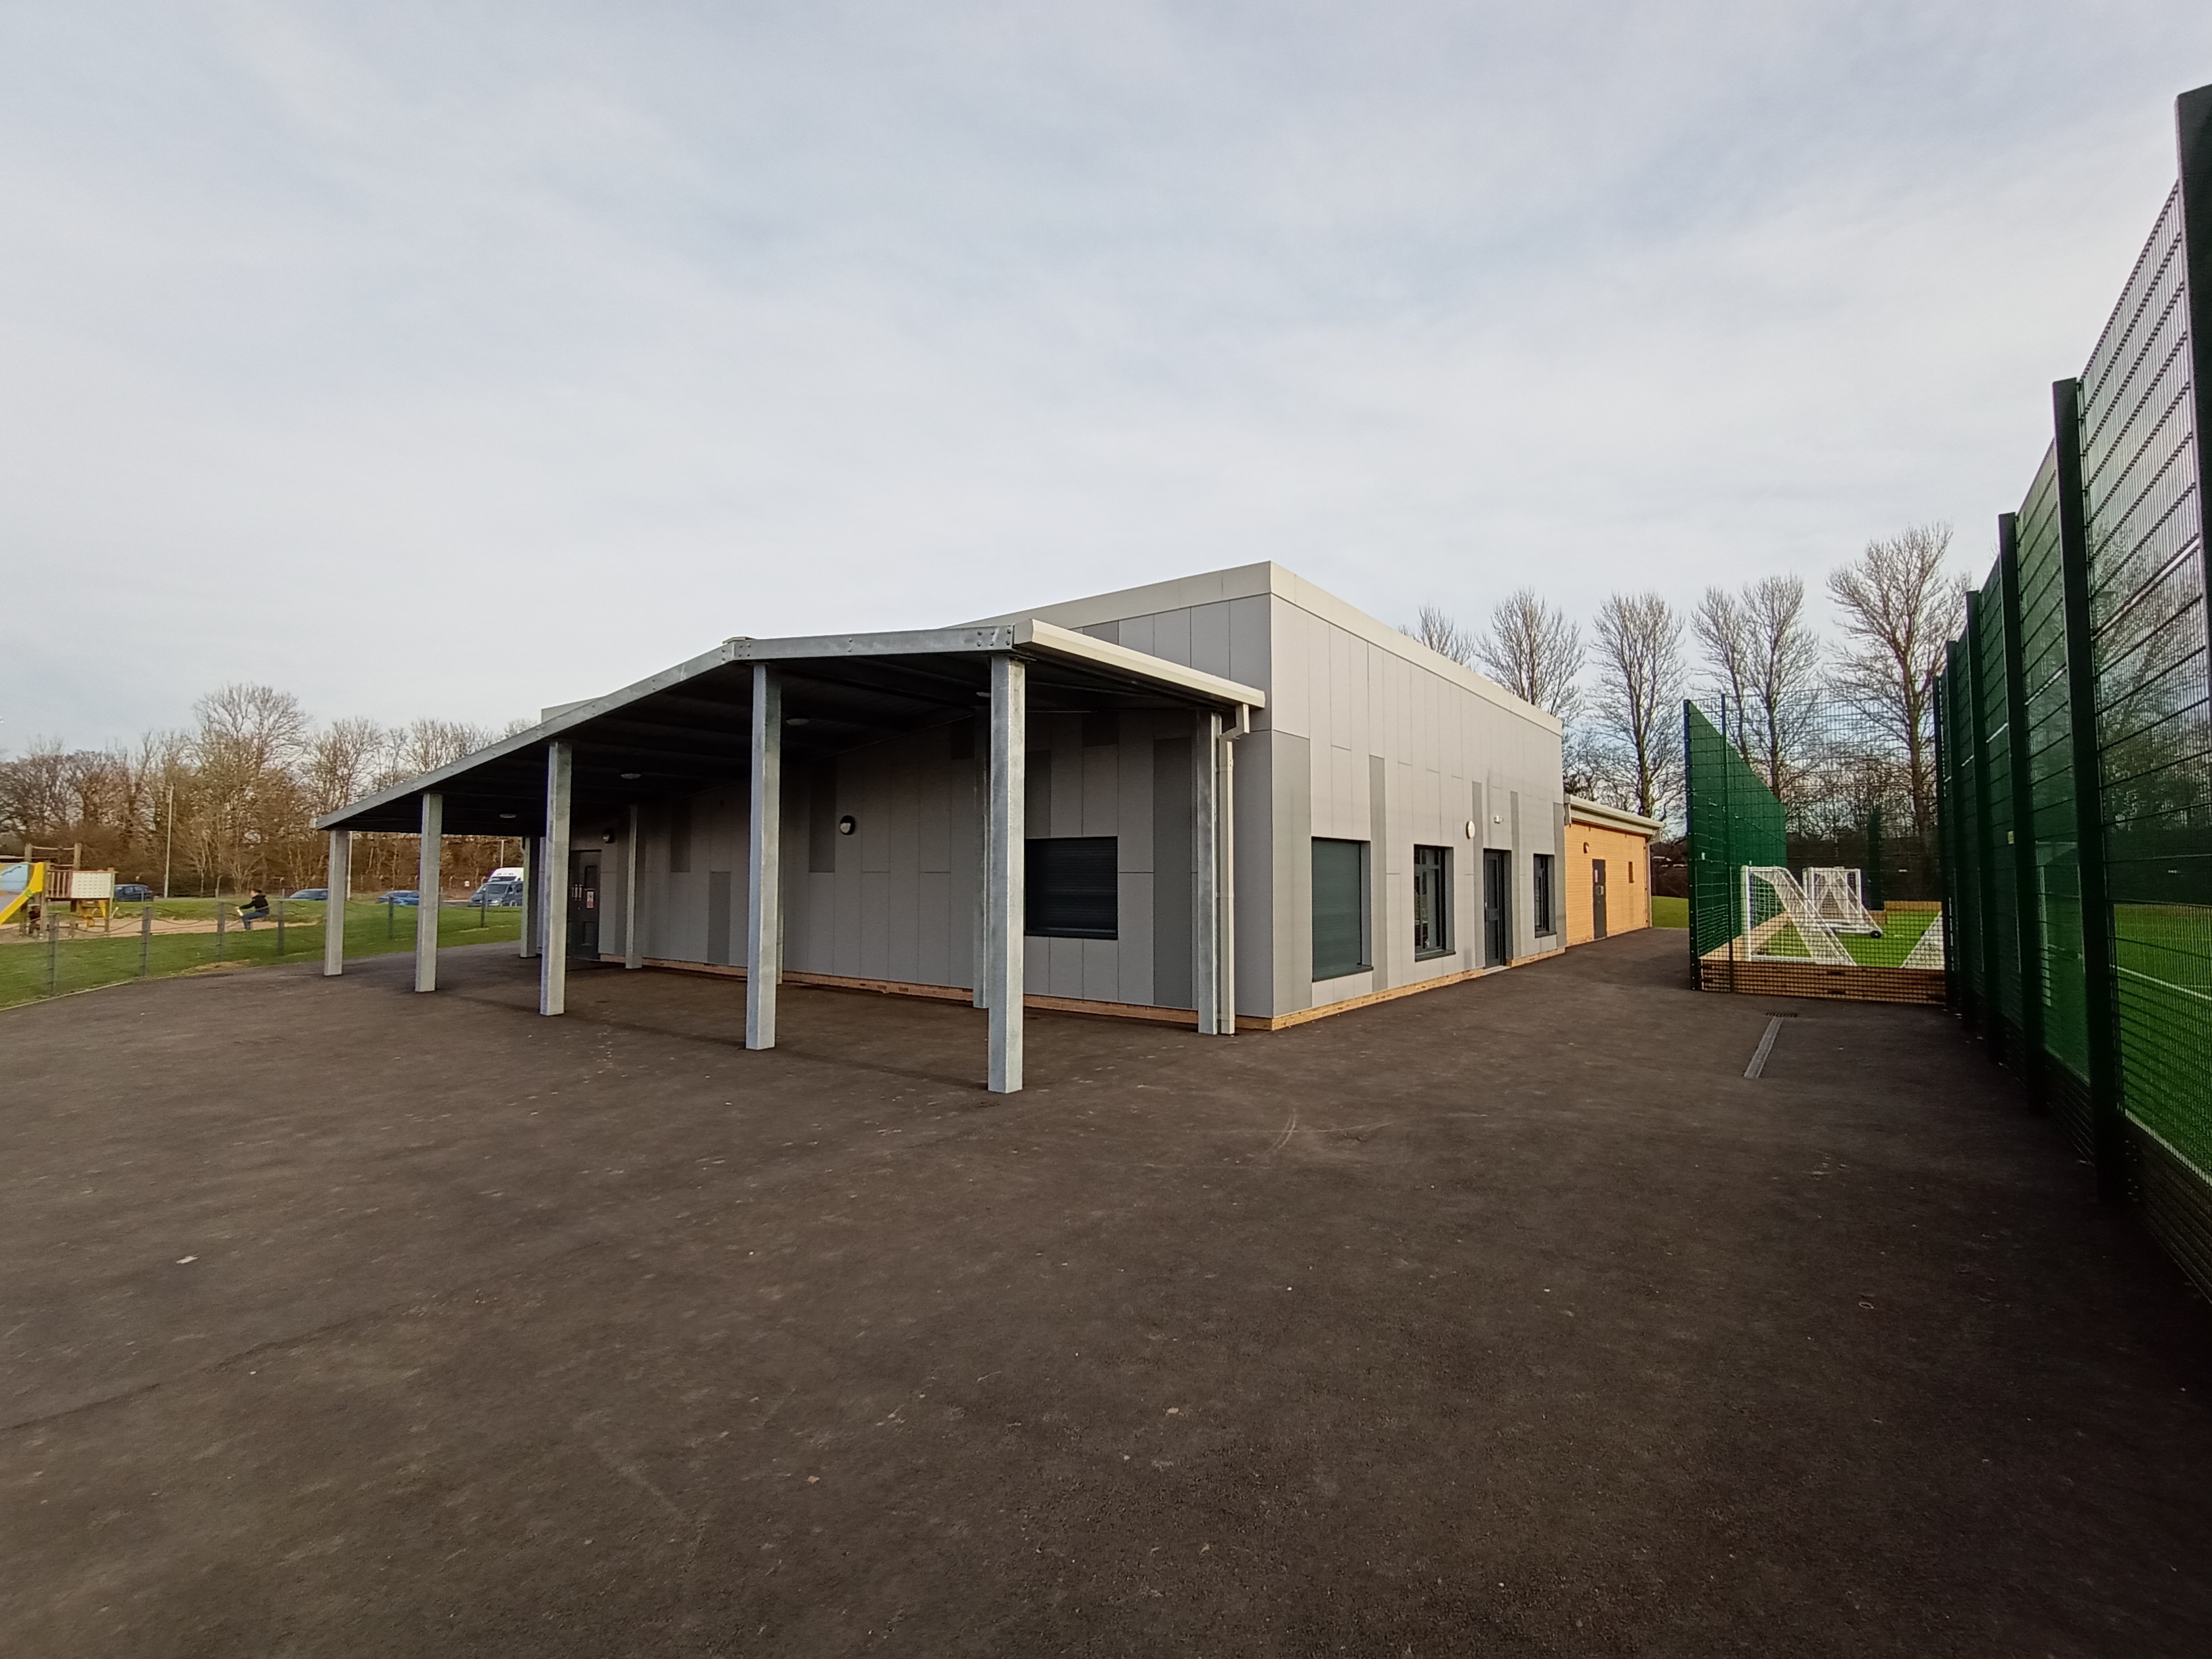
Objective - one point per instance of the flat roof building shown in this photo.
(1232, 800)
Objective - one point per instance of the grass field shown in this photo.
(1901, 931)
(1670, 913)
(85, 963)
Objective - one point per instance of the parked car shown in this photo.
(133, 892)
(499, 890)
(400, 896)
(313, 893)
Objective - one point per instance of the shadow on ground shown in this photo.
(1509, 1319)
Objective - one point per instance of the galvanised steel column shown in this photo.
(630, 958)
(533, 897)
(553, 873)
(1207, 837)
(429, 868)
(764, 861)
(2027, 899)
(1985, 875)
(334, 906)
(1225, 819)
(1006, 870)
(2107, 1110)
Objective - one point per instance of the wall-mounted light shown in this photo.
(608, 837)
(796, 719)
(846, 826)
(632, 777)
(506, 815)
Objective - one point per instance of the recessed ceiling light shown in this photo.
(506, 815)
(796, 719)
(632, 777)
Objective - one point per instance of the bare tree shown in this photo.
(1723, 635)
(1637, 710)
(341, 762)
(1898, 607)
(1785, 677)
(1437, 630)
(1535, 653)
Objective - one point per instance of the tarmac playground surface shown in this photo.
(1509, 1319)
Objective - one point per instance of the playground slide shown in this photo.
(19, 884)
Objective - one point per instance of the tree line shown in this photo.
(1852, 718)
(228, 804)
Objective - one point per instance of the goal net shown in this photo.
(1780, 923)
(1834, 897)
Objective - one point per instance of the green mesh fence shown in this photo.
(2075, 763)
(2142, 514)
(1734, 821)
(1811, 872)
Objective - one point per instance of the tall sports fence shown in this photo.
(2074, 747)
(1812, 854)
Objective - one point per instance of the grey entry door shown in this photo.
(1597, 898)
(583, 904)
(1497, 885)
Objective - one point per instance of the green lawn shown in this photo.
(1670, 913)
(82, 963)
(1901, 931)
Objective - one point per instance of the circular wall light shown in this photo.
(846, 826)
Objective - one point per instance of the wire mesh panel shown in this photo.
(2050, 792)
(2142, 507)
(1994, 813)
(1809, 873)
(1967, 958)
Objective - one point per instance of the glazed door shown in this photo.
(1597, 898)
(583, 904)
(1496, 877)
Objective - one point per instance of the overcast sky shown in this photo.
(456, 359)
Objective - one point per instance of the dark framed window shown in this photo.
(1072, 888)
(1431, 902)
(1547, 914)
(1339, 908)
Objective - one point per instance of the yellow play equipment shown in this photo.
(83, 894)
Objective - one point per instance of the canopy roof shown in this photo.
(690, 726)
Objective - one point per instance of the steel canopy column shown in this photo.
(532, 881)
(1004, 868)
(341, 883)
(1225, 881)
(1207, 809)
(429, 869)
(630, 958)
(553, 878)
(764, 859)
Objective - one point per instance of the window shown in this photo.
(1541, 871)
(1431, 902)
(1339, 908)
(1070, 889)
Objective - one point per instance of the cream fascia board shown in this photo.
(1052, 640)
(1041, 638)
(1612, 818)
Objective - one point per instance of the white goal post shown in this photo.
(1777, 912)
(1834, 895)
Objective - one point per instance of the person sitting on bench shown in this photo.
(254, 909)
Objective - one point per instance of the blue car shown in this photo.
(406, 897)
(313, 893)
(133, 892)
(500, 891)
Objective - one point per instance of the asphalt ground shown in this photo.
(1509, 1319)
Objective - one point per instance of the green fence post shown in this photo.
(52, 917)
(221, 923)
(1947, 832)
(1985, 875)
(279, 927)
(146, 940)
(1873, 898)
(391, 918)
(2027, 926)
(2107, 1111)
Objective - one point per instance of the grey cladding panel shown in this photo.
(821, 818)
(679, 838)
(1037, 796)
(718, 916)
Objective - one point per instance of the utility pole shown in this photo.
(169, 841)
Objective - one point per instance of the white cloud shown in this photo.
(458, 360)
